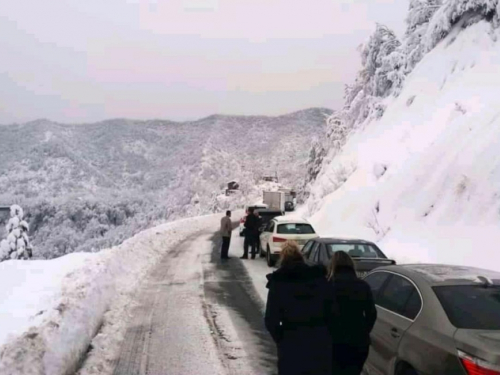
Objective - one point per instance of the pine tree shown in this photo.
(17, 244)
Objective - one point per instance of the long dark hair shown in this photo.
(340, 259)
(290, 254)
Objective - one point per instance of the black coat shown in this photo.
(252, 223)
(356, 312)
(299, 317)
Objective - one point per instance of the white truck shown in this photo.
(275, 200)
(290, 199)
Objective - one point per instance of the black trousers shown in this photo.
(225, 247)
(250, 241)
(349, 359)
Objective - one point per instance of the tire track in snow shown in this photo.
(196, 315)
(168, 333)
(230, 295)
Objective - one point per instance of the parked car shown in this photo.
(435, 319)
(266, 215)
(366, 255)
(281, 229)
(242, 220)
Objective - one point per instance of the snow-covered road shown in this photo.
(196, 315)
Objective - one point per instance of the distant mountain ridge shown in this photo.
(174, 168)
(128, 153)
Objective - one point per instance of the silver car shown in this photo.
(435, 320)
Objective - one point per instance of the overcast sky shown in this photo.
(84, 61)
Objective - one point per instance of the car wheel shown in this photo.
(270, 260)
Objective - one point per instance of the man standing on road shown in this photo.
(226, 227)
(251, 233)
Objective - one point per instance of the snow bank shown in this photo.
(29, 289)
(425, 178)
(66, 301)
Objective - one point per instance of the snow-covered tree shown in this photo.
(315, 161)
(375, 79)
(17, 244)
(380, 45)
(419, 14)
(453, 11)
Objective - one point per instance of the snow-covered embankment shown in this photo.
(425, 179)
(51, 310)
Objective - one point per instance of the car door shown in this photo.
(266, 234)
(306, 250)
(323, 257)
(314, 255)
(391, 296)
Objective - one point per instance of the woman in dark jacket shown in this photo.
(356, 315)
(299, 315)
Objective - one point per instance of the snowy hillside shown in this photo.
(423, 176)
(98, 184)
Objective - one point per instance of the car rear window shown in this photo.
(356, 250)
(293, 228)
(471, 306)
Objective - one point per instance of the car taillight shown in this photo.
(476, 366)
(278, 239)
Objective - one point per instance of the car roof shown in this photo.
(291, 220)
(342, 240)
(445, 274)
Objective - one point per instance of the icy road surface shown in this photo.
(196, 315)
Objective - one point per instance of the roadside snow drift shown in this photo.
(426, 177)
(50, 311)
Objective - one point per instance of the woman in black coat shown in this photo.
(356, 315)
(299, 315)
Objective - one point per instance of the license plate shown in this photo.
(361, 273)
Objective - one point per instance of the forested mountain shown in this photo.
(81, 183)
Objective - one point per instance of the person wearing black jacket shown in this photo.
(299, 315)
(252, 223)
(355, 317)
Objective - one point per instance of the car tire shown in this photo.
(262, 254)
(270, 261)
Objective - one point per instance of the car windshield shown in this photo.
(356, 250)
(294, 228)
(471, 306)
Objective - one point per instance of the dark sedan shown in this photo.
(366, 255)
(435, 319)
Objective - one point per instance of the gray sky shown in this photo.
(83, 61)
